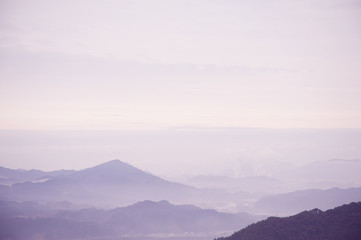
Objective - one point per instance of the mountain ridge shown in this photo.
(24, 221)
(343, 222)
(283, 204)
(111, 184)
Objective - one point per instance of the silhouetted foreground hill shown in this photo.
(341, 223)
(29, 220)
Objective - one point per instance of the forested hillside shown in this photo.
(340, 223)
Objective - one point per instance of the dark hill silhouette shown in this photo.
(336, 224)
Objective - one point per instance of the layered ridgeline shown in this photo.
(69, 204)
(111, 184)
(146, 220)
(340, 223)
(116, 183)
(294, 202)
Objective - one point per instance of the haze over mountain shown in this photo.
(325, 174)
(227, 105)
(116, 183)
(10, 176)
(147, 220)
(245, 184)
(294, 202)
(113, 183)
(181, 153)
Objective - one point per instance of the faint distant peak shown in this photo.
(148, 204)
(345, 160)
(115, 172)
(152, 203)
(161, 206)
(115, 162)
(111, 167)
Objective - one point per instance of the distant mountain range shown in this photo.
(29, 221)
(113, 183)
(286, 177)
(250, 184)
(64, 202)
(337, 224)
(116, 183)
(10, 176)
(108, 185)
(294, 202)
(325, 174)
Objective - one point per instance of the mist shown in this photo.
(180, 119)
(175, 153)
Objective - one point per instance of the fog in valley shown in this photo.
(205, 119)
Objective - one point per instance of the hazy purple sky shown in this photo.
(96, 65)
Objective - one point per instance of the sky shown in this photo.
(145, 65)
(174, 79)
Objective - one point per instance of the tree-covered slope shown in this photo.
(340, 223)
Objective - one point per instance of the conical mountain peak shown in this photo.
(115, 163)
(114, 166)
(115, 171)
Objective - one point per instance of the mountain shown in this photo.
(251, 184)
(165, 217)
(337, 224)
(115, 172)
(147, 218)
(110, 184)
(10, 176)
(326, 174)
(293, 202)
